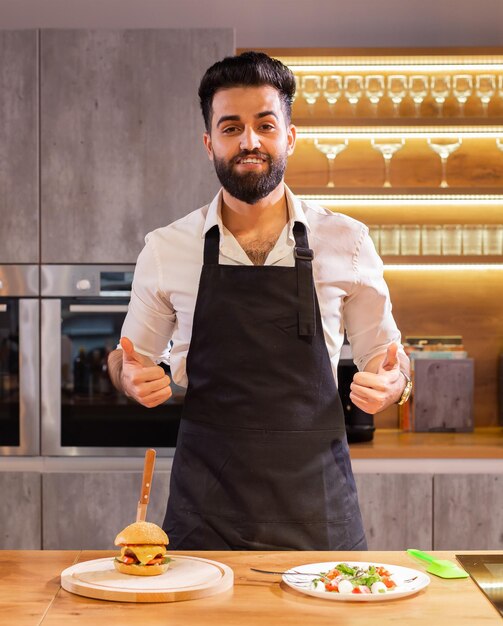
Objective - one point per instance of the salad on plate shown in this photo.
(345, 578)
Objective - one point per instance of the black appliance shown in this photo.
(359, 425)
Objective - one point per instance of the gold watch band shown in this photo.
(407, 390)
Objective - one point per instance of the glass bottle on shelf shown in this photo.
(387, 147)
(444, 147)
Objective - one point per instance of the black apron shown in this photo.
(262, 460)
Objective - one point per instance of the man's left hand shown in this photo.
(374, 392)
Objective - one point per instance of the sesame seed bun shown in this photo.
(142, 533)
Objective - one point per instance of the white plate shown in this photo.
(398, 574)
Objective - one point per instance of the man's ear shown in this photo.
(292, 138)
(208, 145)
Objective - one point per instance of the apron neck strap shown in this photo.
(212, 246)
(305, 283)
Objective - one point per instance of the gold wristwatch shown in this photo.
(407, 390)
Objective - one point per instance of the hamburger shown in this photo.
(143, 551)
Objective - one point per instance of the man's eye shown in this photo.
(267, 126)
(230, 129)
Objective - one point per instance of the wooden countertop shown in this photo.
(483, 443)
(30, 595)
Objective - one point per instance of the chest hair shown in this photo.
(258, 249)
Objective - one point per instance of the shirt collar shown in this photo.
(295, 212)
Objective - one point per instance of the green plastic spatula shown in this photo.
(444, 569)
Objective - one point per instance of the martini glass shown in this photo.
(311, 90)
(444, 147)
(331, 150)
(353, 90)
(499, 143)
(387, 147)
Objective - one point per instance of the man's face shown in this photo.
(249, 141)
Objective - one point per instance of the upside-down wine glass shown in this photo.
(331, 149)
(485, 88)
(374, 90)
(462, 88)
(440, 87)
(444, 147)
(418, 89)
(499, 143)
(353, 89)
(332, 89)
(311, 89)
(397, 90)
(387, 147)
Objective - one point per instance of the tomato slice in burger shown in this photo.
(158, 559)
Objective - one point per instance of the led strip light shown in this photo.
(410, 199)
(405, 132)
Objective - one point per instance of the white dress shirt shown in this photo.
(348, 274)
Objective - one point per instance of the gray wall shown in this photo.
(281, 23)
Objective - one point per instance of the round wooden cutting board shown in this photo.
(187, 578)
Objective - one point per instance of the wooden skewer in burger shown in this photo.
(143, 544)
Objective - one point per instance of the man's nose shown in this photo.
(249, 140)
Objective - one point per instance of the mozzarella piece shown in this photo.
(345, 586)
(378, 587)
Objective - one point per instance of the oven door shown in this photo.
(19, 376)
(82, 413)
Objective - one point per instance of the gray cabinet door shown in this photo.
(21, 511)
(121, 137)
(468, 512)
(396, 510)
(19, 206)
(86, 510)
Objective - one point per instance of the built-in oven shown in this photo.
(19, 360)
(82, 312)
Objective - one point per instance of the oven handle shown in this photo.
(29, 380)
(50, 376)
(98, 308)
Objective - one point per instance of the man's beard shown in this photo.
(250, 187)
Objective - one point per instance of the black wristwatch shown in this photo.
(407, 390)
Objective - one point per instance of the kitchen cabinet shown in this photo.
(434, 227)
(397, 510)
(468, 511)
(19, 230)
(87, 509)
(121, 137)
(21, 510)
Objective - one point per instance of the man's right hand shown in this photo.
(141, 378)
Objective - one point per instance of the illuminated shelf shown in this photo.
(399, 60)
(405, 131)
(397, 264)
(391, 196)
(411, 123)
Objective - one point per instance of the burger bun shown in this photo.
(141, 570)
(142, 533)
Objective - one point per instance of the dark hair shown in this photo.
(249, 69)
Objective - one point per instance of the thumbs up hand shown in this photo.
(374, 392)
(141, 378)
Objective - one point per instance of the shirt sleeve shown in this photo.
(150, 319)
(368, 319)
